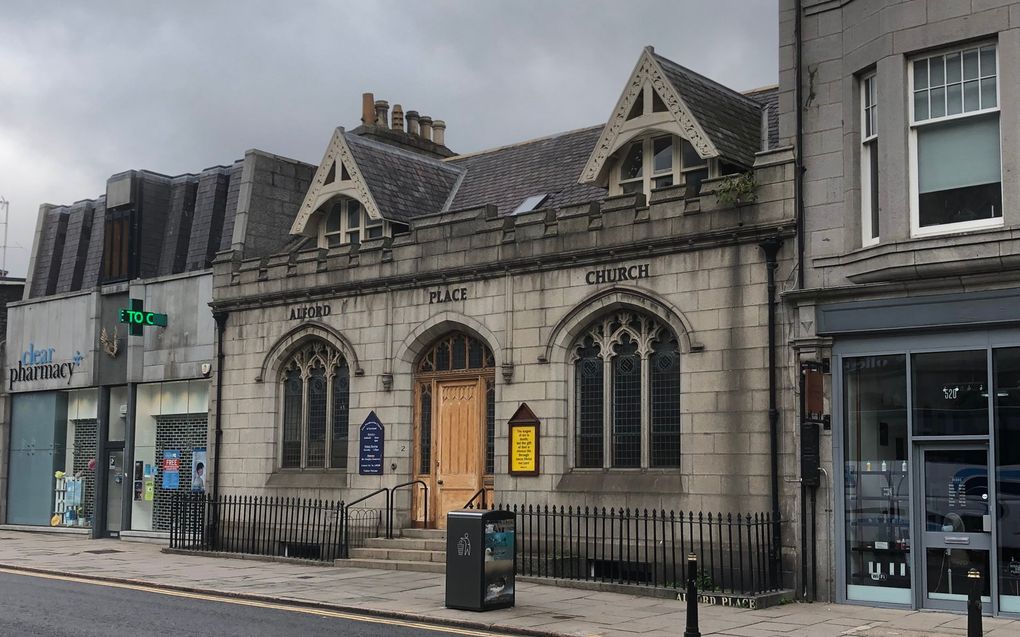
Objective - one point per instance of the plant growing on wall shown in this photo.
(737, 190)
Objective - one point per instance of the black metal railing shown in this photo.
(351, 536)
(393, 503)
(320, 530)
(648, 548)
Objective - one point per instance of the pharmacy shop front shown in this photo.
(926, 428)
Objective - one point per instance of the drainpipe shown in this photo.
(771, 249)
(221, 326)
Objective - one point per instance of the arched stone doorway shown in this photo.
(454, 420)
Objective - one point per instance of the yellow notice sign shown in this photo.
(524, 449)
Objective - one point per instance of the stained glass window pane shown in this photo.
(459, 352)
(425, 429)
(341, 416)
(588, 374)
(665, 400)
(316, 448)
(292, 419)
(626, 405)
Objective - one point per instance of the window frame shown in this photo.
(916, 231)
(341, 236)
(317, 353)
(677, 172)
(870, 235)
(659, 331)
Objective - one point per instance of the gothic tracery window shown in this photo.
(626, 394)
(315, 383)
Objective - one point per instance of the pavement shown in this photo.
(541, 609)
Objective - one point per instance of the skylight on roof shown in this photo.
(531, 203)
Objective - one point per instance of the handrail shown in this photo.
(347, 518)
(480, 492)
(393, 504)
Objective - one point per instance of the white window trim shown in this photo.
(345, 227)
(868, 237)
(647, 179)
(916, 230)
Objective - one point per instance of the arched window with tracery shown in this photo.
(315, 383)
(626, 393)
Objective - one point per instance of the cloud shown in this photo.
(91, 89)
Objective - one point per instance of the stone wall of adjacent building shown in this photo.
(529, 295)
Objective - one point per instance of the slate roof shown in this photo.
(404, 184)
(769, 97)
(507, 176)
(731, 120)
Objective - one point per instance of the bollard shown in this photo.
(974, 604)
(692, 597)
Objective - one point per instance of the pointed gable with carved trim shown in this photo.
(717, 121)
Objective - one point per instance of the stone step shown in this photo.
(400, 555)
(413, 544)
(424, 534)
(394, 565)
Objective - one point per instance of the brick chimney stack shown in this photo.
(367, 109)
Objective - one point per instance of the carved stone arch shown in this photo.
(568, 328)
(435, 326)
(293, 340)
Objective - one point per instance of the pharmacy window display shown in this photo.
(53, 459)
(170, 456)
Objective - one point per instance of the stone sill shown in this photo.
(46, 529)
(643, 481)
(928, 257)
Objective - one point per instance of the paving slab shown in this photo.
(541, 610)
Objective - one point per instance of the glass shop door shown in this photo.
(957, 525)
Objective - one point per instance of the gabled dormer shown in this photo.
(673, 126)
(366, 189)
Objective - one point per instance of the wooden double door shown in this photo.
(451, 450)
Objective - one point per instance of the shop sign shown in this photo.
(41, 364)
(616, 275)
(524, 442)
(446, 295)
(371, 440)
(137, 317)
(171, 469)
(303, 312)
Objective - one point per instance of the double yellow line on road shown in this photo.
(321, 612)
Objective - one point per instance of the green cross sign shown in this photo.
(137, 317)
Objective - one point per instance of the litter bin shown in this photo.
(480, 552)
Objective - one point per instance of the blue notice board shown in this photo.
(370, 446)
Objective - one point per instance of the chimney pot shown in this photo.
(382, 113)
(412, 122)
(367, 109)
(439, 132)
(426, 127)
(398, 118)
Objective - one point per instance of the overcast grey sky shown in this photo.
(88, 89)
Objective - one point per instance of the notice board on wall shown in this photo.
(524, 437)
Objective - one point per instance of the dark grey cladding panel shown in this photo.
(153, 212)
(731, 120)
(769, 97)
(76, 247)
(920, 312)
(210, 203)
(94, 251)
(505, 177)
(230, 213)
(404, 184)
(51, 248)
(278, 187)
(178, 225)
